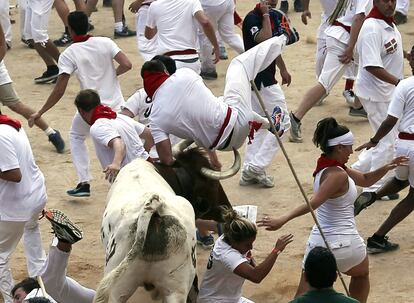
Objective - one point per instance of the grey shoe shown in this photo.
(358, 112)
(364, 200)
(377, 247)
(295, 131)
(251, 176)
(349, 96)
(209, 75)
(223, 53)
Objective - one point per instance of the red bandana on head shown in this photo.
(375, 13)
(9, 121)
(324, 162)
(102, 111)
(153, 80)
(80, 38)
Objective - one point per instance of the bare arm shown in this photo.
(13, 175)
(382, 74)
(55, 96)
(385, 127)
(127, 112)
(257, 273)
(150, 32)
(266, 30)
(357, 22)
(134, 6)
(306, 12)
(286, 77)
(124, 63)
(149, 141)
(3, 46)
(112, 170)
(209, 32)
(164, 152)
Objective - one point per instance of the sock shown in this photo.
(378, 238)
(349, 84)
(52, 67)
(49, 131)
(66, 30)
(294, 117)
(119, 26)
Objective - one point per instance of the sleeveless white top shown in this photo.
(336, 216)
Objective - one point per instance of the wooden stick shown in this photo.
(292, 169)
(42, 286)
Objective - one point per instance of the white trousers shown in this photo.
(260, 153)
(222, 19)
(237, 90)
(405, 148)
(22, 11)
(195, 66)
(37, 19)
(147, 48)
(333, 69)
(78, 149)
(10, 235)
(60, 287)
(403, 6)
(383, 153)
(5, 20)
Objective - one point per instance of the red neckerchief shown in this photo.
(259, 12)
(80, 38)
(102, 111)
(324, 162)
(9, 121)
(375, 13)
(153, 80)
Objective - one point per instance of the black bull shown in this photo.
(185, 177)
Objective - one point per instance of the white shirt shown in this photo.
(92, 62)
(19, 201)
(124, 127)
(139, 104)
(36, 293)
(402, 105)
(183, 106)
(213, 2)
(175, 23)
(336, 215)
(220, 283)
(355, 7)
(4, 74)
(328, 6)
(380, 45)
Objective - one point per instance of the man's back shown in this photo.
(328, 295)
(92, 61)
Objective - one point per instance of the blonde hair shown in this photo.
(237, 228)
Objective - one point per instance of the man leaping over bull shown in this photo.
(185, 107)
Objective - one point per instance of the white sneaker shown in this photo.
(349, 97)
(250, 176)
(295, 131)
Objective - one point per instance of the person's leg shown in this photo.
(79, 151)
(22, 11)
(120, 28)
(147, 48)
(10, 235)
(35, 255)
(226, 28)
(208, 68)
(63, 12)
(359, 285)
(5, 21)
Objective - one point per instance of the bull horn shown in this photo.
(221, 175)
(180, 146)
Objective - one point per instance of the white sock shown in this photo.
(119, 26)
(50, 131)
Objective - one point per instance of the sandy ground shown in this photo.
(390, 274)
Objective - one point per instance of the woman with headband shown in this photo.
(334, 195)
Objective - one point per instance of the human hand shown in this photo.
(111, 171)
(286, 77)
(283, 241)
(33, 117)
(134, 6)
(271, 224)
(398, 161)
(346, 57)
(305, 15)
(367, 145)
(264, 7)
(216, 53)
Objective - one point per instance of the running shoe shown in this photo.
(295, 131)
(250, 176)
(49, 75)
(81, 190)
(64, 40)
(357, 112)
(62, 227)
(364, 200)
(125, 32)
(223, 53)
(207, 242)
(57, 141)
(349, 96)
(377, 247)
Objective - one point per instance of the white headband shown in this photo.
(346, 139)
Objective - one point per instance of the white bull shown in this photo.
(149, 236)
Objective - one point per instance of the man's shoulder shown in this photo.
(322, 296)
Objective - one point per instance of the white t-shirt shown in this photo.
(36, 293)
(23, 200)
(104, 130)
(213, 2)
(354, 7)
(220, 283)
(328, 6)
(379, 44)
(92, 62)
(183, 106)
(140, 105)
(402, 105)
(175, 23)
(4, 74)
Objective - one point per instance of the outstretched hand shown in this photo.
(398, 161)
(271, 224)
(367, 145)
(283, 241)
(305, 15)
(33, 117)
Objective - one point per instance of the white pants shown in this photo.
(5, 19)
(222, 19)
(259, 154)
(237, 90)
(180, 62)
(403, 6)
(405, 148)
(10, 235)
(383, 153)
(333, 69)
(22, 10)
(37, 19)
(78, 149)
(147, 48)
(244, 300)
(60, 287)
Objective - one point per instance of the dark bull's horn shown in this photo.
(180, 146)
(221, 175)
